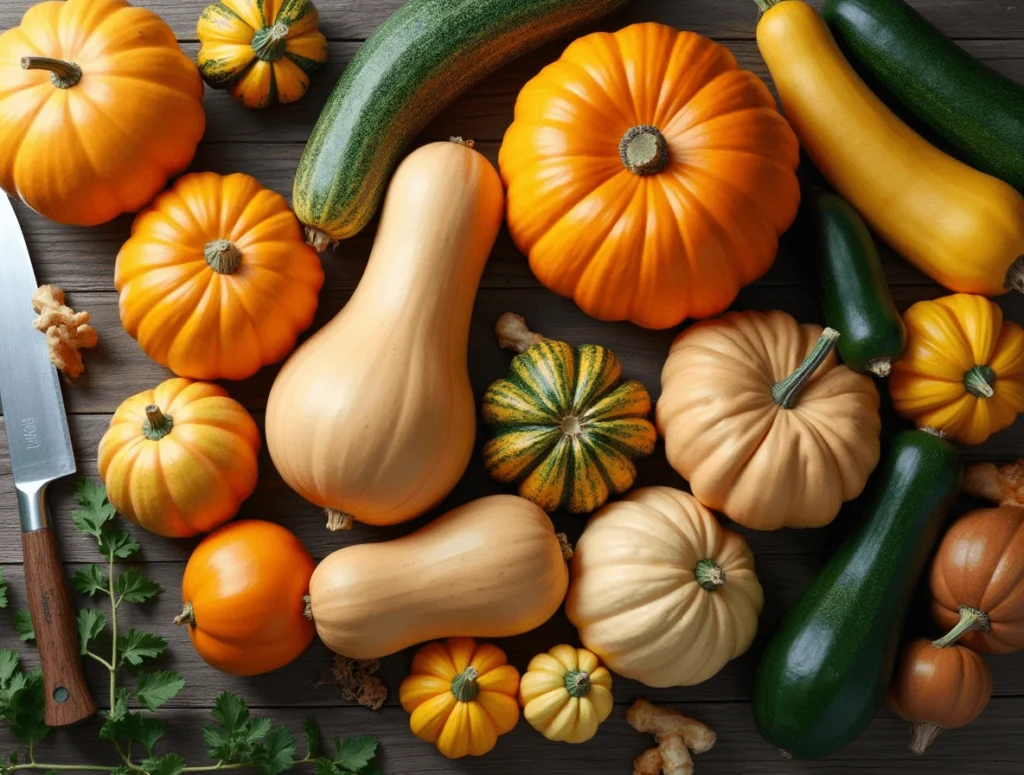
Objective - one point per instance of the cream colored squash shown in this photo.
(660, 591)
(374, 416)
(492, 568)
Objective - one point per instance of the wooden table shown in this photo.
(267, 145)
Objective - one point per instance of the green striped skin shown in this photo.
(420, 59)
(854, 292)
(824, 675)
(566, 427)
(977, 110)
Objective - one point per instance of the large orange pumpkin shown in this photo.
(648, 177)
(216, 280)
(98, 107)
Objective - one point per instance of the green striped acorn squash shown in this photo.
(563, 424)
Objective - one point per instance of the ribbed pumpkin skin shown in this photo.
(106, 145)
(653, 249)
(206, 324)
(548, 705)
(946, 339)
(264, 51)
(425, 55)
(566, 426)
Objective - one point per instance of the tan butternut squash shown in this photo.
(374, 416)
(489, 569)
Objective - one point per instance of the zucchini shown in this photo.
(854, 292)
(825, 673)
(977, 110)
(420, 59)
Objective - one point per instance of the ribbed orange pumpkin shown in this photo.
(216, 280)
(106, 108)
(648, 177)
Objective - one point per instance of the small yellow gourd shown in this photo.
(566, 694)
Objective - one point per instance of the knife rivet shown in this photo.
(60, 694)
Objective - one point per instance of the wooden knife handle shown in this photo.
(67, 698)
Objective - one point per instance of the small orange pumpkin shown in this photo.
(180, 459)
(98, 107)
(244, 590)
(649, 178)
(216, 280)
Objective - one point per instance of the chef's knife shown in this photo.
(40, 447)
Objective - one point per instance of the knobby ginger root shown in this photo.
(677, 736)
(356, 681)
(513, 334)
(1003, 485)
(66, 331)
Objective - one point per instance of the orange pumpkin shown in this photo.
(216, 280)
(180, 459)
(244, 590)
(648, 177)
(98, 107)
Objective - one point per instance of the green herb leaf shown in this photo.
(230, 712)
(90, 580)
(3, 590)
(143, 730)
(354, 753)
(120, 770)
(326, 767)
(12, 679)
(277, 752)
(312, 731)
(133, 587)
(256, 730)
(116, 542)
(23, 625)
(370, 769)
(168, 764)
(157, 687)
(220, 745)
(26, 708)
(90, 624)
(95, 511)
(135, 647)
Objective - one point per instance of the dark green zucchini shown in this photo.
(977, 110)
(825, 673)
(420, 59)
(854, 292)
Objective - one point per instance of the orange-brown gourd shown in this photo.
(243, 594)
(492, 568)
(374, 417)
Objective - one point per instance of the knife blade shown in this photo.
(40, 451)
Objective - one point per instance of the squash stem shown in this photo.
(269, 43)
(319, 239)
(188, 616)
(460, 141)
(513, 334)
(924, 734)
(787, 391)
(971, 619)
(577, 683)
(643, 150)
(1015, 276)
(880, 367)
(979, 381)
(223, 256)
(464, 686)
(766, 5)
(338, 520)
(63, 74)
(563, 542)
(157, 424)
(709, 575)
(307, 607)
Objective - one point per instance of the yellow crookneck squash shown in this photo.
(649, 177)
(374, 417)
(564, 424)
(180, 459)
(763, 421)
(461, 696)
(216, 280)
(98, 108)
(660, 592)
(963, 370)
(566, 694)
(264, 51)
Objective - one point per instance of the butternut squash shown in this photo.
(374, 416)
(489, 569)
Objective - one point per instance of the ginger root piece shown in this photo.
(677, 736)
(1004, 485)
(513, 334)
(66, 331)
(356, 681)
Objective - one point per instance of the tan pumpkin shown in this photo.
(765, 424)
(489, 569)
(660, 591)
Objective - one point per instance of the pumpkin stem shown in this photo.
(338, 520)
(786, 391)
(880, 367)
(643, 150)
(570, 426)
(464, 686)
(513, 334)
(188, 616)
(971, 619)
(269, 43)
(460, 141)
(577, 683)
(765, 5)
(1015, 276)
(934, 432)
(319, 239)
(157, 424)
(978, 381)
(563, 541)
(63, 74)
(223, 256)
(709, 575)
(923, 735)
(307, 610)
